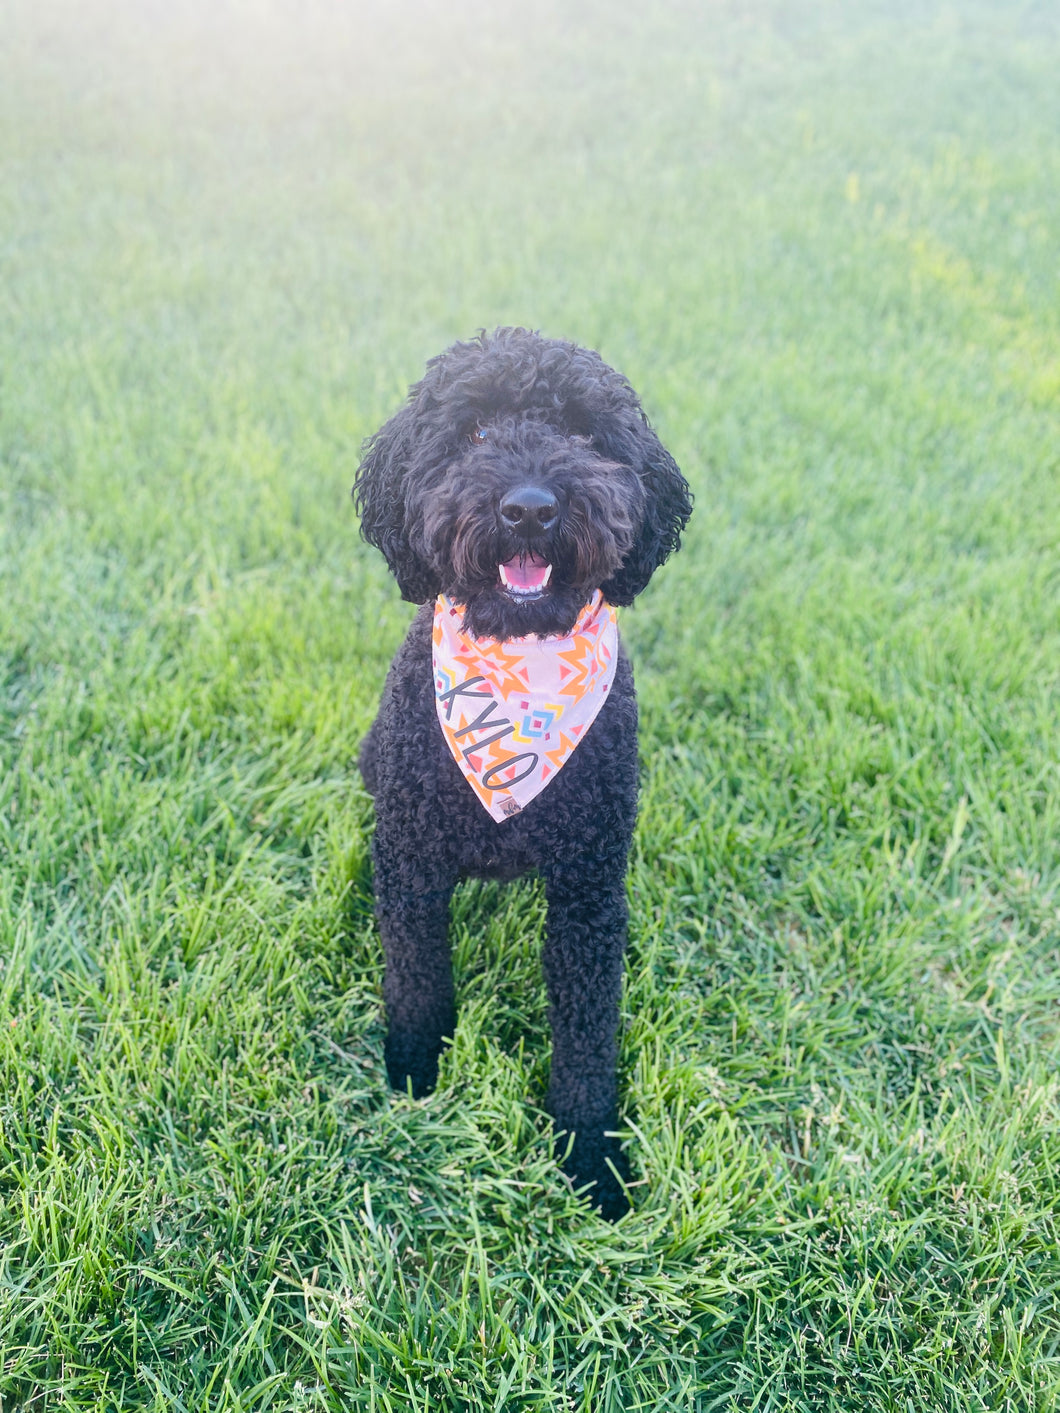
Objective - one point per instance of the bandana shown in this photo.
(512, 712)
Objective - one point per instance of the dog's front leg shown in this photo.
(412, 905)
(585, 942)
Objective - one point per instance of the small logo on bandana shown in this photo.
(513, 712)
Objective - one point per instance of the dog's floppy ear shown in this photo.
(668, 504)
(379, 494)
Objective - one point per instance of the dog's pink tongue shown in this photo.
(526, 571)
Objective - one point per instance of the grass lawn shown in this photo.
(822, 240)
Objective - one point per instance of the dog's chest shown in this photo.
(422, 792)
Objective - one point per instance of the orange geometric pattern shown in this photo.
(512, 712)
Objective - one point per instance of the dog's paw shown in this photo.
(609, 1197)
(411, 1065)
(602, 1169)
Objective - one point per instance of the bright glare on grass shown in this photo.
(821, 240)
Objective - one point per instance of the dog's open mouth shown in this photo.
(526, 576)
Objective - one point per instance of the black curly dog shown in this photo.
(510, 445)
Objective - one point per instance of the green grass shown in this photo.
(821, 239)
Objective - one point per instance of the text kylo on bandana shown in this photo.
(513, 712)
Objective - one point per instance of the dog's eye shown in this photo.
(478, 436)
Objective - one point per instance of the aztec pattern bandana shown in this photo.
(512, 712)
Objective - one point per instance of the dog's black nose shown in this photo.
(529, 510)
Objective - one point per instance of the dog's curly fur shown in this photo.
(504, 412)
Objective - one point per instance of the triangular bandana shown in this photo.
(512, 712)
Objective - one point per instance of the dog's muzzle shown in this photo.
(529, 513)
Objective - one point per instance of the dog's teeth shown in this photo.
(524, 591)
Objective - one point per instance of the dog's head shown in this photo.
(520, 476)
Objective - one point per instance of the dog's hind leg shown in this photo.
(412, 906)
(586, 940)
(366, 759)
